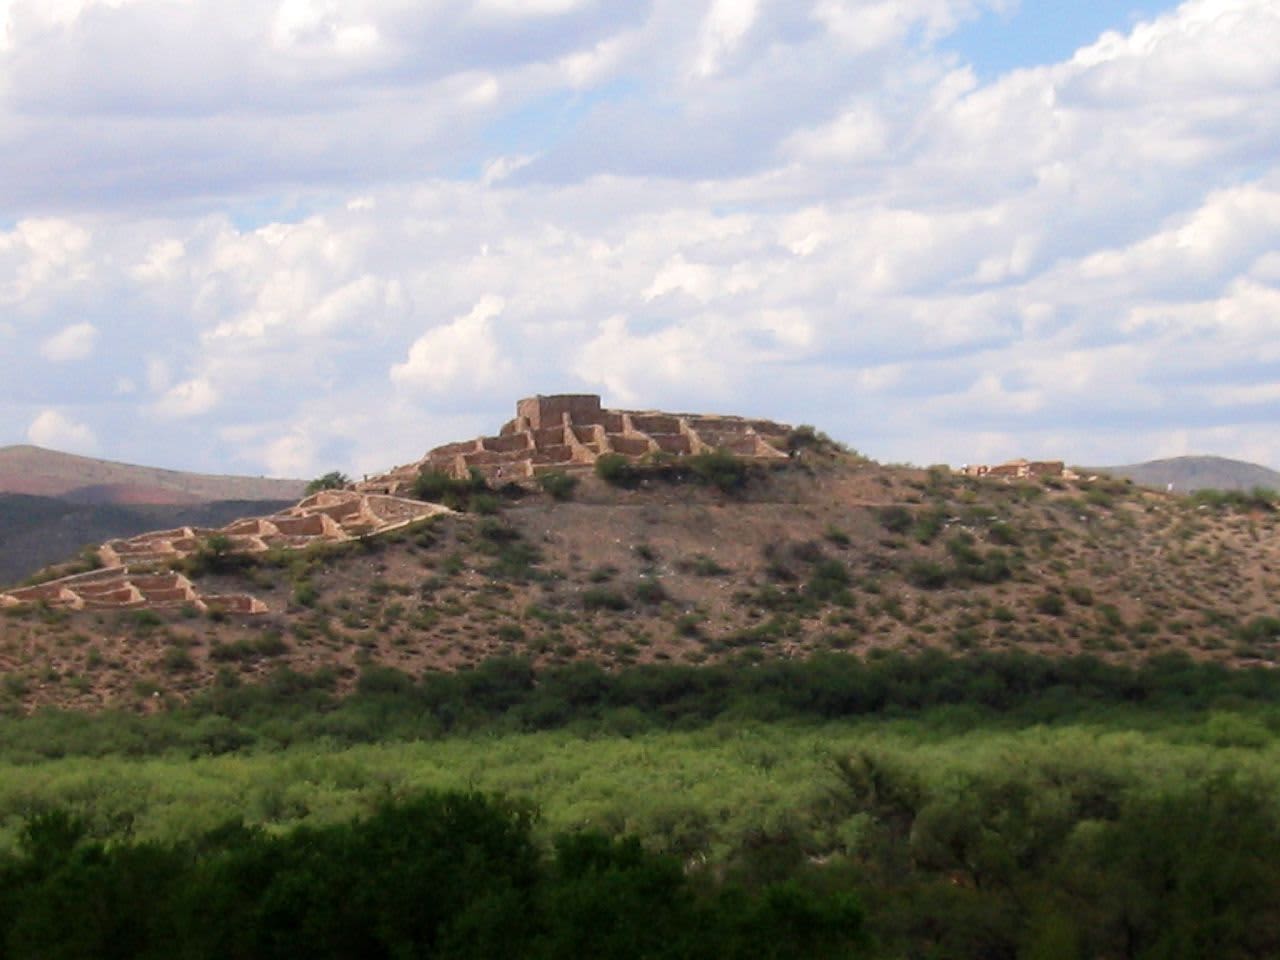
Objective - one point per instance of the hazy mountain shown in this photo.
(1198, 473)
(38, 531)
(52, 504)
(48, 473)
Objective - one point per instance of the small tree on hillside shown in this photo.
(330, 481)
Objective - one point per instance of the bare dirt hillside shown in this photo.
(48, 473)
(819, 554)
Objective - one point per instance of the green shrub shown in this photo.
(558, 484)
(177, 660)
(604, 598)
(828, 581)
(1261, 630)
(1003, 534)
(483, 504)
(270, 644)
(650, 591)
(807, 437)
(1259, 499)
(145, 620)
(305, 593)
(929, 524)
(719, 469)
(702, 566)
(896, 519)
(1080, 594)
(927, 574)
(837, 536)
(330, 481)
(616, 470)
(456, 493)
(1051, 603)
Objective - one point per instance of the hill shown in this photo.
(48, 473)
(1186, 474)
(794, 548)
(842, 556)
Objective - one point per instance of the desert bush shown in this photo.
(177, 660)
(649, 591)
(333, 480)
(1051, 604)
(616, 470)
(807, 437)
(1080, 594)
(702, 565)
(927, 574)
(896, 519)
(719, 469)
(558, 484)
(604, 598)
(456, 493)
(928, 524)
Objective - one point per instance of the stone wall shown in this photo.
(543, 411)
(570, 431)
(1016, 469)
(133, 577)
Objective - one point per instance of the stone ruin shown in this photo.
(1019, 470)
(134, 572)
(561, 432)
(570, 432)
(120, 588)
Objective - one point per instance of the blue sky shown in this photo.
(292, 236)
(1035, 32)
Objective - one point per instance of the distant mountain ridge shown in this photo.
(1186, 474)
(36, 471)
(38, 531)
(52, 504)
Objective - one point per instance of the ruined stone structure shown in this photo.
(327, 516)
(120, 588)
(134, 572)
(562, 432)
(571, 431)
(1018, 469)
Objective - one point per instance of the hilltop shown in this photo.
(1187, 474)
(688, 558)
(36, 471)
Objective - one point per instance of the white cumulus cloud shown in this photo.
(70, 343)
(460, 355)
(190, 398)
(57, 431)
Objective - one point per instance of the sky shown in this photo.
(284, 237)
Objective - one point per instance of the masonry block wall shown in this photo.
(570, 431)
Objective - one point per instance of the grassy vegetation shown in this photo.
(959, 838)
(1259, 499)
(991, 805)
(441, 875)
